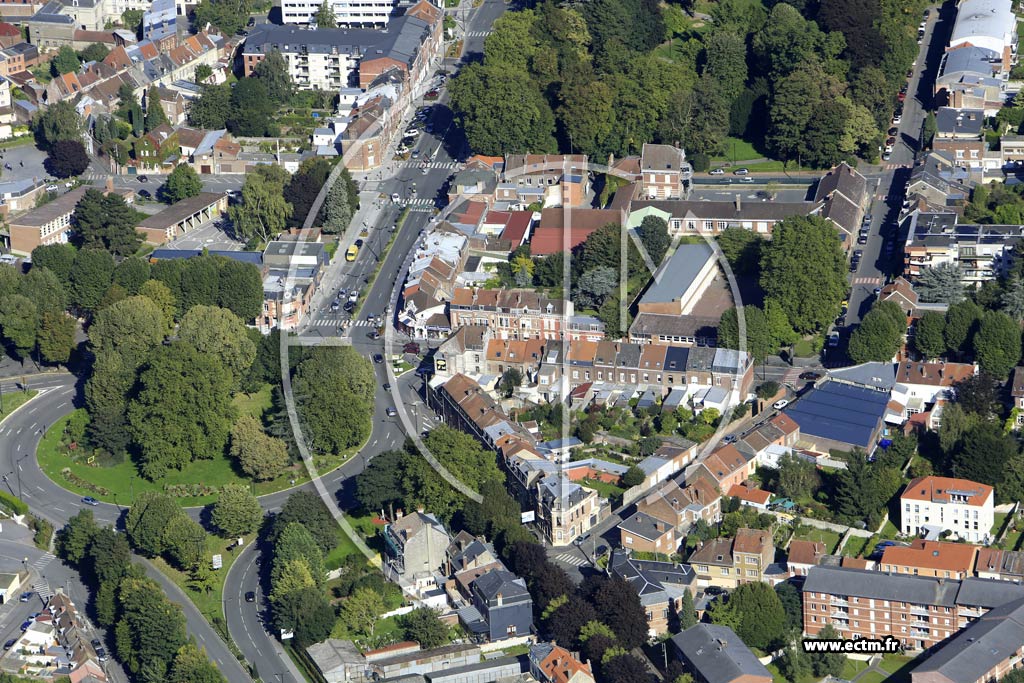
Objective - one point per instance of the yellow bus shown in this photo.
(350, 255)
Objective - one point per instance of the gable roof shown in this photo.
(952, 557)
(938, 489)
(718, 655)
(839, 412)
(805, 552)
(645, 526)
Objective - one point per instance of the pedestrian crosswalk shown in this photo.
(573, 558)
(478, 34)
(43, 561)
(867, 281)
(447, 165)
(325, 322)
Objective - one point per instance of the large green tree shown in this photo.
(252, 109)
(150, 631)
(942, 284)
(132, 327)
(19, 322)
(183, 182)
(106, 222)
(272, 71)
(212, 109)
(334, 389)
(227, 15)
(155, 115)
(757, 612)
(220, 334)
(262, 211)
(260, 456)
(236, 512)
(928, 335)
(802, 269)
(997, 345)
(147, 521)
(879, 335)
(60, 121)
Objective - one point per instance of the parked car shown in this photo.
(810, 376)
(143, 178)
(26, 596)
(96, 643)
(897, 119)
(89, 500)
(385, 386)
(378, 358)
(10, 643)
(716, 171)
(886, 156)
(101, 655)
(715, 590)
(432, 95)
(893, 131)
(862, 238)
(858, 253)
(25, 625)
(145, 194)
(741, 171)
(891, 140)
(51, 188)
(780, 404)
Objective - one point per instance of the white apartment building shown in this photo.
(353, 13)
(931, 505)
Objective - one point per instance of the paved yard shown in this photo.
(207, 236)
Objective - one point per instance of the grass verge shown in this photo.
(383, 257)
(119, 482)
(209, 600)
(12, 402)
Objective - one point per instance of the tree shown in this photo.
(379, 485)
(767, 390)
(182, 409)
(202, 74)
(220, 334)
(502, 110)
(653, 232)
(252, 109)
(758, 613)
(67, 158)
(148, 519)
(324, 16)
(239, 289)
(304, 186)
(798, 479)
(307, 613)
(687, 613)
(928, 336)
(984, 453)
(802, 269)
(94, 52)
(634, 476)
(979, 394)
(56, 336)
(105, 399)
(131, 274)
(624, 668)
(73, 541)
(424, 626)
(19, 321)
(510, 380)
(565, 619)
(132, 328)
(331, 423)
(294, 543)
(191, 665)
(273, 74)
(44, 289)
(59, 122)
(795, 664)
(158, 293)
(997, 345)
(726, 54)
(618, 606)
(760, 343)
(595, 285)
(962, 322)
(183, 182)
(311, 512)
(106, 222)
(828, 663)
(227, 15)
(236, 512)
(57, 258)
(185, 541)
(941, 284)
(361, 610)
(742, 249)
(879, 335)
(260, 456)
(789, 596)
(155, 115)
(212, 108)
(263, 211)
(337, 208)
(64, 62)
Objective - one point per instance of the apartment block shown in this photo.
(351, 13)
(729, 562)
(931, 558)
(937, 504)
(983, 252)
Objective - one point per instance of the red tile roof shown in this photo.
(806, 552)
(517, 227)
(751, 495)
(954, 557)
(937, 490)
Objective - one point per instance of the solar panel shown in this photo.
(839, 412)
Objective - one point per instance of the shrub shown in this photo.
(13, 503)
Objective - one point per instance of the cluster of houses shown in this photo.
(55, 643)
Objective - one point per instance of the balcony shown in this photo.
(838, 601)
(918, 610)
(839, 614)
(919, 623)
(920, 634)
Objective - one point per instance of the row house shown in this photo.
(524, 355)
(983, 252)
(565, 510)
(547, 179)
(686, 217)
(550, 663)
(463, 352)
(643, 533)
(930, 558)
(727, 466)
(843, 195)
(683, 506)
(961, 132)
(969, 78)
(416, 544)
(920, 385)
(730, 562)
(521, 314)
(464, 404)
(18, 58)
(995, 563)
(945, 185)
(921, 612)
(802, 555)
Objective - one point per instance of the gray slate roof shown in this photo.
(880, 376)
(677, 274)
(717, 654)
(644, 525)
(920, 590)
(501, 581)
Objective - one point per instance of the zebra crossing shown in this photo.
(325, 322)
(44, 560)
(446, 165)
(573, 559)
(867, 281)
(42, 588)
(478, 34)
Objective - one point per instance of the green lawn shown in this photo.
(118, 482)
(384, 629)
(809, 533)
(852, 668)
(872, 677)
(210, 603)
(255, 404)
(898, 667)
(890, 531)
(13, 401)
(604, 489)
(859, 547)
(738, 150)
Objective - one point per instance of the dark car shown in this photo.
(25, 597)
(386, 386)
(143, 178)
(432, 95)
(810, 376)
(145, 194)
(250, 596)
(715, 590)
(359, 243)
(377, 358)
(9, 644)
(101, 654)
(96, 644)
(25, 625)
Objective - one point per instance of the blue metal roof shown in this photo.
(253, 257)
(840, 412)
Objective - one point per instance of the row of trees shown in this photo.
(149, 630)
(245, 108)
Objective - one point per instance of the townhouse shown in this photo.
(1005, 565)
(521, 314)
(802, 556)
(682, 506)
(726, 467)
(843, 195)
(961, 133)
(644, 533)
(550, 663)
(921, 612)
(930, 558)
(416, 544)
(693, 217)
(933, 505)
(664, 172)
(503, 604)
(545, 179)
(566, 510)
(660, 585)
(730, 562)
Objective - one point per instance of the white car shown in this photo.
(897, 119)
(51, 188)
(779, 405)
(395, 198)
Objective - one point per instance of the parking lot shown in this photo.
(207, 236)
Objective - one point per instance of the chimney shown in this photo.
(739, 203)
(500, 600)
